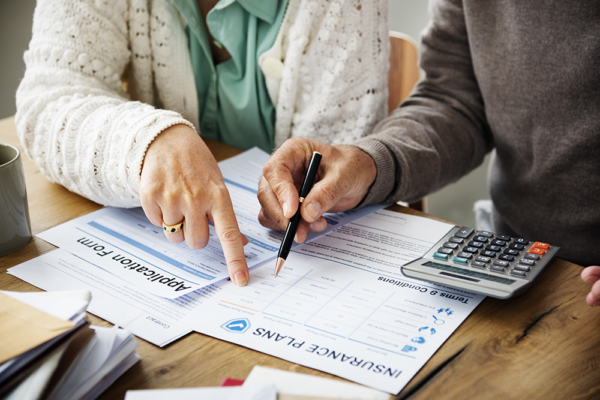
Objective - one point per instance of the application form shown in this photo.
(125, 243)
(150, 317)
(341, 305)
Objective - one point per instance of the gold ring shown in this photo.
(172, 228)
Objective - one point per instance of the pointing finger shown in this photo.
(231, 240)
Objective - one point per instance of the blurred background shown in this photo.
(453, 203)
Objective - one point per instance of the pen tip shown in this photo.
(280, 262)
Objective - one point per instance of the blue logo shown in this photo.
(408, 349)
(238, 325)
(424, 328)
(419, 340)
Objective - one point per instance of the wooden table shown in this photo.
(544, 344)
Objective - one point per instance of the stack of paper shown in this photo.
(49, 351)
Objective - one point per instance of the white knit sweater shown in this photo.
(86, 133)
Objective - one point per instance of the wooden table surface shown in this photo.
(544, 344)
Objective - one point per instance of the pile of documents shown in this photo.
(49, 351)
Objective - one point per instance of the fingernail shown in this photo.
(597, 303)
(316, 226)
(313, 210)
(285, 209)
(240, 278)
(589, 280)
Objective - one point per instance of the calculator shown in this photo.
(499, 266)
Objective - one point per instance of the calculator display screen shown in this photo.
(466, 272)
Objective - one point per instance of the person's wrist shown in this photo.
(167, 138)
(368, 167)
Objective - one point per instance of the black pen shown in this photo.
(292, 227)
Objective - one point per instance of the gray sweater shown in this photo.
(519, 77)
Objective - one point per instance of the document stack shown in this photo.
(49, 351)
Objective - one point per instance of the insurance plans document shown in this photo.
(341, 304)
(125, 243)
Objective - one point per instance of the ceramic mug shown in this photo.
(15, 228)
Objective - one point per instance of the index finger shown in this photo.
(591, 274)
(231, 241)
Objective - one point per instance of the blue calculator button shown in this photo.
(460, 260)
(440, 256)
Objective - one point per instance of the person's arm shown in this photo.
(440, 132)
(83, 132)
(437, 135)
(73, 118)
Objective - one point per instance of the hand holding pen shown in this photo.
(290, 233)
(345, 175)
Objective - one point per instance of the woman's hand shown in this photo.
(181, 180)
(344, 177)
(591, 275)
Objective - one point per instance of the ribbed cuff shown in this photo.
(144, 138)
(386, 171)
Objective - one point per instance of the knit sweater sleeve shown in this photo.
(73, 118)
(440, 132)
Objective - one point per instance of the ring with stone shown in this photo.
(172, 228)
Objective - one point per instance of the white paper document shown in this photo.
(147, 316)
(296, 384)
(125, 243)
(341, 304)
(267, 392)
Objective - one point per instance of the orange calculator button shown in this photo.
(537, 250)
(541, 245)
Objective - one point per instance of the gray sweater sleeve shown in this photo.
(440, 132)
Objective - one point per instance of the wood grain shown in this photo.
(544, 344)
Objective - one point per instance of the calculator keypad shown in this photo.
(497, 253)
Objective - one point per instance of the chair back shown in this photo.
(402, 77)
(404, 70)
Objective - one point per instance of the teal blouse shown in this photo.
(234, 105)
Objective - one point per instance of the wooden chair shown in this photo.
(402, 77)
